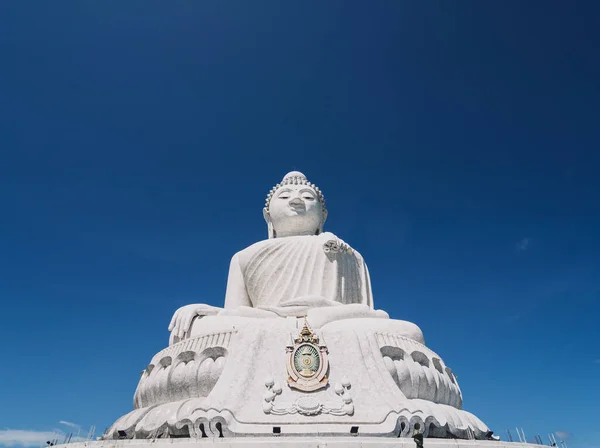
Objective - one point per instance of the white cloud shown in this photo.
(563, 435)
(523, 244)
(70, 424)
(26, 438)
(597, 361)
(514, 317)
(19, 437)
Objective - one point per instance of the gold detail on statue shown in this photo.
(307, 362)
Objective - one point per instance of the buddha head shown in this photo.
(294, 207)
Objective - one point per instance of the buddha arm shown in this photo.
(366, 293)
(236, 294)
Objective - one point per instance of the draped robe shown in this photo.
(281, 273)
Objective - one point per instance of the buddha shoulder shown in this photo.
(327, 242)
(286, 243)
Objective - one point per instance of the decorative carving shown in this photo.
(335, 246)
(308, 404)
(307, 362)
(418, 371)
(186, 369)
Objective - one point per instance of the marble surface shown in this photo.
(298, 268)
(227, 371)
(232, 379)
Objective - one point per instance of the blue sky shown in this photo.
(456, 143)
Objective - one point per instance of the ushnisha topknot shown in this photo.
(295, 178)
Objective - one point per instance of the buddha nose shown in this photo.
(296, 201)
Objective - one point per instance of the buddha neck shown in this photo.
(284, 234)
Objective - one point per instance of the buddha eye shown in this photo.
(284, 196)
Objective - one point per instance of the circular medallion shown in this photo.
(307, 360)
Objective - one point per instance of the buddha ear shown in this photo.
(320, 230)
(270, 228)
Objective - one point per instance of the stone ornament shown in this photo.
(307, 362)
(308, 405)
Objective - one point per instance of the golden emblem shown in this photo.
(307, 362)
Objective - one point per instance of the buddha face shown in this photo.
(295, 210)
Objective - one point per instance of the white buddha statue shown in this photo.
(299, 313)
(299, 268)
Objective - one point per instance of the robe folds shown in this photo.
(297, 270)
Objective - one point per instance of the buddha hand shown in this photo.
(183, 317)
(334, 244)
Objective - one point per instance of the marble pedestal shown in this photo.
(229, 382)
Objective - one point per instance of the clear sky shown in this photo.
(457, 144)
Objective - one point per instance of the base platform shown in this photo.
(298, 442)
